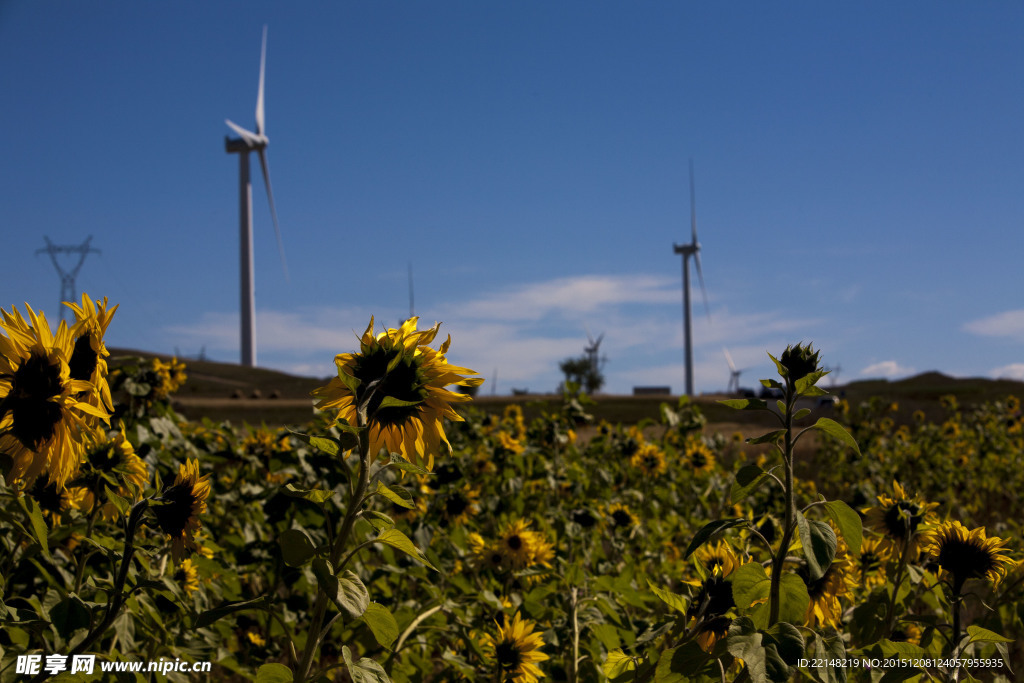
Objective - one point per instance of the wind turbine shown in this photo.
(247, 142)
(686, 251)
(734, 374)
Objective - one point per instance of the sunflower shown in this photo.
(52, 501)
(902, 521)
(699, 457)
(457, 506)
(708, 609)
(188, 576)
(41, 417)
(649, 459)
(619, 516)
(824, 607)
(89, 355)
(112, 455)
(718, 558)
(518, 544)
(399, 381)
(515, 651)
(873, 557)
(183, 502)
(967, 554)
(906, 632)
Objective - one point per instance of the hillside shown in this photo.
(228, 391)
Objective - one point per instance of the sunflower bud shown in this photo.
(799, 361)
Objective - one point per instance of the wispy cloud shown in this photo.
(1011, 371)
(1005, 324)
(887, 369)
(522, 333)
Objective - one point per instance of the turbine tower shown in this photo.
(251, 142)
(67, 278)
(686, 251)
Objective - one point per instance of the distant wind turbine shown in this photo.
(242, 146)
(734, 373)
(688, 250)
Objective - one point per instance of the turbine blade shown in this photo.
(259, 95)
(728, 359)
(693, 208)
(703, 289)
(273, 211)
(250, 138)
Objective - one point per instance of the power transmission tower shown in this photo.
(67, 278)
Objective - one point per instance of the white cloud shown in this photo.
(524, 332)
(572, 296)
(1011, 371)
(1006, 324)
(887, 369)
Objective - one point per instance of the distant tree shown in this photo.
(583, 371)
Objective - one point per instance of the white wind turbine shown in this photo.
(242, 146)
(688, 250)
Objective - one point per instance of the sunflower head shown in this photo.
(42, 419)
(515, 650)
(799, 361)
(182, 503)
(187, 576)
(649, 459)
(968, 554)
(619, 516)
(395, 386)
(699, 457)
(89, 353)
(902, 520)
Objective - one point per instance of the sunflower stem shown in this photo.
(117, 595)
(314, 635)
(890, 616)
(789, 524)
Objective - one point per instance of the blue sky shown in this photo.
(859, 178)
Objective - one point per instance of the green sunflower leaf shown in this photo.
(747, 479)
(837, 431)
(120, 502)
(684, 663)
(981, 635)
(350, 382)
(617, 663)
(761, 658)
(313, 495)
(396, 539)
(211, 615)
(36, 521)
(770, 437)
(365, 670)
(274, 673)
(744, 403)
(296, 547)
(849, 523)
(819, 545)
(406, 466)
(352, 595)
(397, 495)
(392, 402)
(749, 584)
(709, 530)
(676, 602)
(382, 623)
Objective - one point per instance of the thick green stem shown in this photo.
(117, 595)
(775, 592)
(314, 635)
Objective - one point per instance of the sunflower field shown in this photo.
(405, 535)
